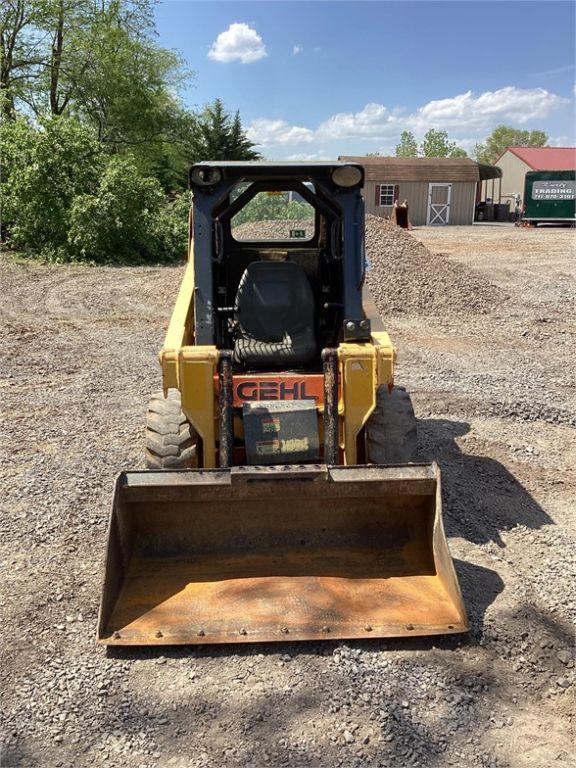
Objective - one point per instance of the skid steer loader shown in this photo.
(282, 498)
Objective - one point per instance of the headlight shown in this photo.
(347, 175)
(205, 175)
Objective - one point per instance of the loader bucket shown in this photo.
(254, 554)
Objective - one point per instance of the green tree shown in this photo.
(17, 139)
(22, 50)
(437, 144)
(101, 97)
(240, 145)
(65, 26)
(504, 136)
(49, 166)
(95, 60)
(407, 146)
(43, 50)
(63, 197)
(217, 135)
(126, 88)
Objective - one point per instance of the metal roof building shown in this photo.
(515, 163)
(545, 158)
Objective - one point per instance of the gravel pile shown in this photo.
(274, 230)
(405, 277)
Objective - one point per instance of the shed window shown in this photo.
(386, 194)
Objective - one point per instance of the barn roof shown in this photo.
(546, 158)
(422, 168)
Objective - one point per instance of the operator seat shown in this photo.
(274, 314)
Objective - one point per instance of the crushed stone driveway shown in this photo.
(495, 399)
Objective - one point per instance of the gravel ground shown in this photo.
(494, 393)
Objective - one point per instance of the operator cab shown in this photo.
(279, 260)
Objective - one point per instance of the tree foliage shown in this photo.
(48, 46)
(505, 136)
(265, 207)
(218, 135)
(407, 146)
(95, 137)
(47, 167)
(437, 144)
(22, 50)
(64, 198)
(100, 63)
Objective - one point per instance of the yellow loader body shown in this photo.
(227, 551)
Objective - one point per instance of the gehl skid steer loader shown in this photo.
(282, 499)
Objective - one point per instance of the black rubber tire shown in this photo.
(391, 435)
(170, 438)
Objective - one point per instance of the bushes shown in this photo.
(172, 227)
(64, 198)
(46, 169)
(126, 220)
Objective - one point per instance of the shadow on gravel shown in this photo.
(253, 725)
(481, 498)
(480, 587)
(558, 630)
(17, 756)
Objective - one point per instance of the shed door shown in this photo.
(439, 203)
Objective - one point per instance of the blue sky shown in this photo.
(319, 79)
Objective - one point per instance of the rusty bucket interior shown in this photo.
(255, 554)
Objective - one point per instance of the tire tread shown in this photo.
(171, 441)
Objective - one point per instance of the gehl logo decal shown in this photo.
(273, 390)
(249, 389)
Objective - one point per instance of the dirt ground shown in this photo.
(496, 402)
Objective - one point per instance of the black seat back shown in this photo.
(274, 310)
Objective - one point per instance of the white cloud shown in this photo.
(468, 143)
(384, 149)
(297, 49)
(238, 43)
(309, 157)
(560, 141)
(467, 111)
(375, 120)
(268, 132)
(467, 117)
